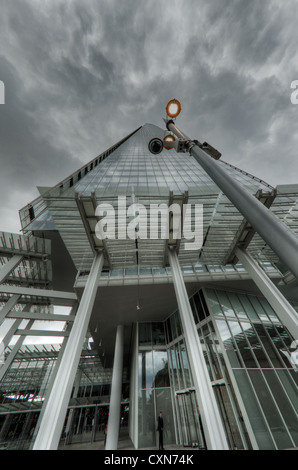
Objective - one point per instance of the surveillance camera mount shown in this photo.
(180, 145)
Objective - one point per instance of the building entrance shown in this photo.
(190, 427)
(232, 427)
(86, 424)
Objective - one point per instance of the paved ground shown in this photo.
(123, 444)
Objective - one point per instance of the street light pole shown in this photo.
(274, 232)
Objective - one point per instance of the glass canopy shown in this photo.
(129, 170)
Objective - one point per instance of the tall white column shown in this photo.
(133, 391)
(212, 423)
(56, 407)
(51, 381)
(116, 389)
(286, 313)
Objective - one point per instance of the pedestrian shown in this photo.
(106, 432)
(160, 430)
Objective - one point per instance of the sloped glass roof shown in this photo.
(130, 170)
(35, 267)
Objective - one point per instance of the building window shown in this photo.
(31, 213)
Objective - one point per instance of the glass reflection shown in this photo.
(161, 370)
(153, 369)
(256, 352)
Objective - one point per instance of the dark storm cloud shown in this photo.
(251, 28)
(81, 75)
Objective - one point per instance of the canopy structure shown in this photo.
(129, 170)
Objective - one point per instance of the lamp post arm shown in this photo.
(281, 239)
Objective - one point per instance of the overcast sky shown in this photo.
(80, 75)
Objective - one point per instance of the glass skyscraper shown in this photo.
(206, 334)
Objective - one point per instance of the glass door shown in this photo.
(237, 439)
(191, 431)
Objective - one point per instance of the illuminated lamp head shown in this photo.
(168, 139)
(173, 108)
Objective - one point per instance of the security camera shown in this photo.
(155, 146)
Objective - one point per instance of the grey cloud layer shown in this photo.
(81, 75)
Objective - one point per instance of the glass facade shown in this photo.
(35, 268)
(154, 392)
(184, 421)
(257, 347)
(131, 170)
(245, 349)
(23, 391)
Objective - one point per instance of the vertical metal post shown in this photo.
(56, 407)
(286, 313)
(68, 430)
(116, 388)
(212, 423)
(279, 237)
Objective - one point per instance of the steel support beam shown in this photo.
(286, 313)
(57, 297)
(26, 332)
(9, 334)
(281, 239)
(8, 307)
(212, 423)
(9, 267)
(40, 316)
(51, 425)
(13, 353)
(116, 389)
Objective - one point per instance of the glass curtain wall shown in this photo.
(188, 413)
(22, 392)
(247, 352)
(154, 392)
(88, 409)
(258, 350)
(165, 378)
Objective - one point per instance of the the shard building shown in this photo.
(200, 324)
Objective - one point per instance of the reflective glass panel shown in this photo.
(280, 435)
